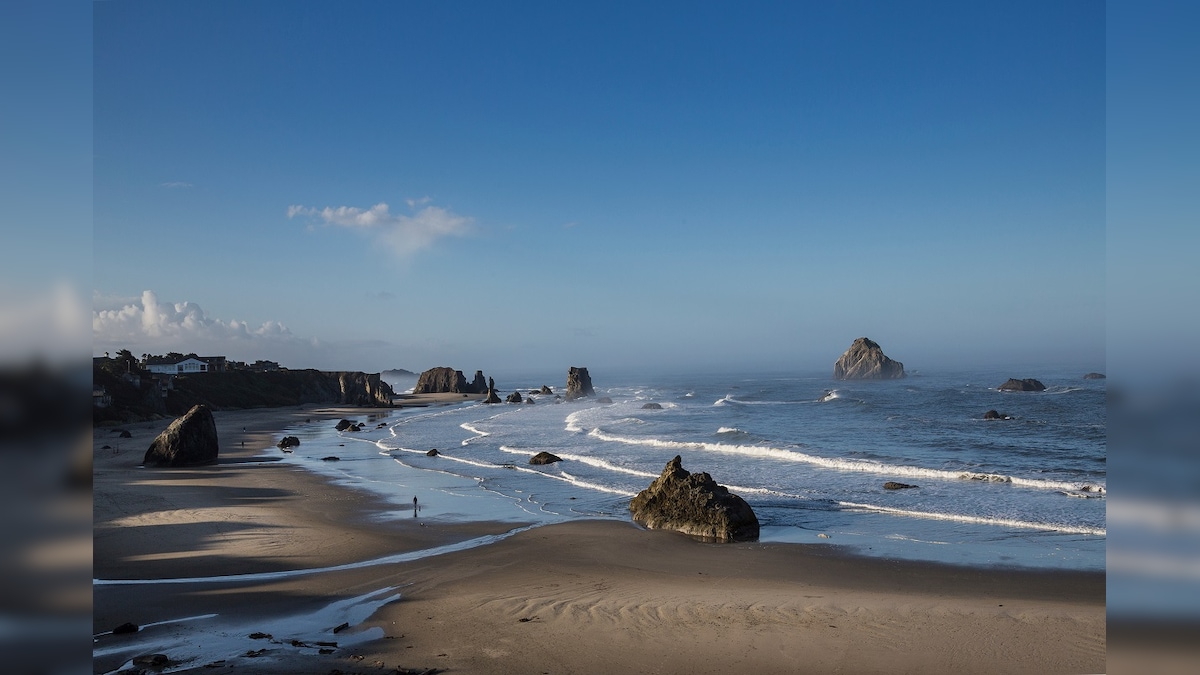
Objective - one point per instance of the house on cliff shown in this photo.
(184, 365)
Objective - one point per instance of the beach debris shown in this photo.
(652, 406)
(344, 425)
(151, 660)
(341, 627)
(579, 383)
(433, 452)
(514, 397)
(126, 627)
(865, 360)
(527, 619)
(993, 415)
(190, 440)
(693, 503)
(823, 535)
(288, 442)
(1028, 384)
(261, 636)
(893, 485)
(544, 458)
(331, 458)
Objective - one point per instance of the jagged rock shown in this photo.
(579, 383)
(544, 458)
(1094, 376)
(652, 406)
(433, 452)
(545, 391)
(1028, 384)
(344, 425)
(993, 415)
(893, 485)
(126, 627)
(288, 442)
(445, 380)
(492, 396)
(191, 440)
(693, 503)
(514, 397)
(865, 360)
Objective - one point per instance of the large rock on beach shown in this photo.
(865, 360)
(693, 503)
(191, 440)
(579, 384)
(1028, 384)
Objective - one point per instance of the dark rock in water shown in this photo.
(652, 406)
(1094, 376)
(260, 636)
(492, 396)
(1028, 384)
(343, 425)
(381, 425)
(544, 458)
(579, 383)
(354, 427)
(693, 503)
(514, 397)
(125, 434)
(445, 380)
(865, 360)
(125, 628)
(604, 399)
(892, 485)
(433, 452)
(288, 442)
(993, 415)
(331, 458)
(191, 440)
(545, 391)
(151, 660)
(529, 400)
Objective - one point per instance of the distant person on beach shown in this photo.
(414, 507)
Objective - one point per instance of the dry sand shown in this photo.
(580, 597)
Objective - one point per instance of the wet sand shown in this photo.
(579, 597)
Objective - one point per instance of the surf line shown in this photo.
(409, 556)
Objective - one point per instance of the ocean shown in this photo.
(808, 453)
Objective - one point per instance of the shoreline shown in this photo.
(555, 598)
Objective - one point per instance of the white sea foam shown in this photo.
(981, 520)
(730, 430)
(837, 464)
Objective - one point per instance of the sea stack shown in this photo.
(1027, 384)
(579, 384)
(865, 360)
(191, 440)
(693, 503)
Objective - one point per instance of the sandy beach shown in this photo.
(579, 597)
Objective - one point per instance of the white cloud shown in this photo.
(404, 234)
(157, 324)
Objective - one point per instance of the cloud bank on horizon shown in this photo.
(402, 234)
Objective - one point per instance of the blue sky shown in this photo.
(611, 185)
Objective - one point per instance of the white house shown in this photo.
(186, 365)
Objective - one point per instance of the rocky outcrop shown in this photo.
(514, 397)
(444, 380)
(579, 384)
(191, 440)
(652, 406)
(893, 485)
(492, 396)
(693, 503)
(433, 452)
(343, 425)
(1094, 376)
(288, 442)
(478, 385)
(1028, 384)
(995, 415)
(544, 458)
(865, 360)
(546, 391)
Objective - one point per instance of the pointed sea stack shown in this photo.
(865, 360)
(492, 397)
(579, 384)
(693, 503)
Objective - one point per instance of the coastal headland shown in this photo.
(578, 597)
